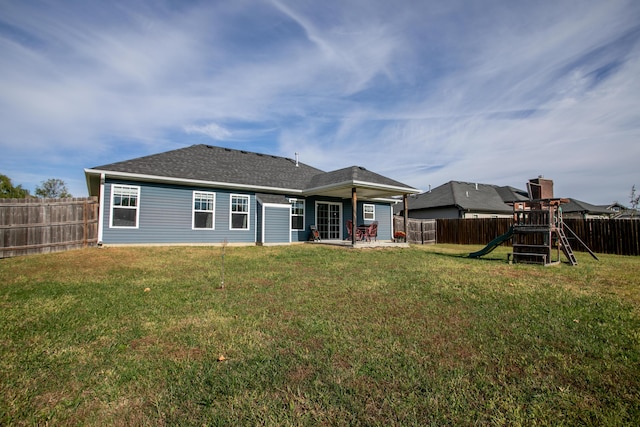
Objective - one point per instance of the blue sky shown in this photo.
(424, 92)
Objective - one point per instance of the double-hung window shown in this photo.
(297, 214)
(203, 210)
(369, 212)
(125, 206)
(239, 212)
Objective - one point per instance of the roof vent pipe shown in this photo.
(476, 185)
(297, 159)
(429, 188)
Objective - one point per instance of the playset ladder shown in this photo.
(566, 248)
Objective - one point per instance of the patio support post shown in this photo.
(405, 201)
(354, 213)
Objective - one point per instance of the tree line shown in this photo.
(52, 188)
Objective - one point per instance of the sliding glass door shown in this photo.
(328, 217)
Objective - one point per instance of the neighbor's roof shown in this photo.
(578, 206)
(469, 196)
(218, 166)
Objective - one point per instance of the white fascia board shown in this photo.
(386, 200)
(183, 181)
(362, 184)
(403, 190)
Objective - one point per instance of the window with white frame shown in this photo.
(125, 206)
(203, 208)
(297, 214)
(369, 212)
(239, 212)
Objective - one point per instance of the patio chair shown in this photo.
(371, 231)
(349, 229)
(314, 234)
(359, 233)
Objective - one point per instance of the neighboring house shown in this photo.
(579, 209)
(206, 194)
(457, 199)
(619, 211)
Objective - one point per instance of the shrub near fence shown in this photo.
(30, 226)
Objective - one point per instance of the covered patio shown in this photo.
(357, 183)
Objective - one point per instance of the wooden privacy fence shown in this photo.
(477, 231)
(608, 236)
(31, 226)
(421, 231)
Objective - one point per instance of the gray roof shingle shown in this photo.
(238, 167)
(469, 196)
(218, 164)
(352, 174)
(578, 206)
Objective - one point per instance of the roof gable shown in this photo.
(369, 184)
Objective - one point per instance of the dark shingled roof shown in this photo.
(469, 196)
(218, 164)
(351, 174)
(578, 206)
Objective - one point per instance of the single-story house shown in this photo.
(204, 194)
(456, 199)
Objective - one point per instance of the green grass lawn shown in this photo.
(317, 335)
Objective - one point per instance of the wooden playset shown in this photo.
(538, 234)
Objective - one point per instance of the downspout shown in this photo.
(101, 210)
(264, 213)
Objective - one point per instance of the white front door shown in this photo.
(328, 219)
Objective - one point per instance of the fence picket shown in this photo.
(30, 226)
(610, 236)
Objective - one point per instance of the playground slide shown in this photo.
(492, 244)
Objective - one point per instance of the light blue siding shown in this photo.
(277, 224)
(383, 215)
(166, 217)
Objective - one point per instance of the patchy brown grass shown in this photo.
(316, 335)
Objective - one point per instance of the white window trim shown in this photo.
(193, 211)
(304, 208)
(364, 214)
(248, 213)
(137, 208)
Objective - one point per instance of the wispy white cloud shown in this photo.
(211, 130)
(425, 92)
